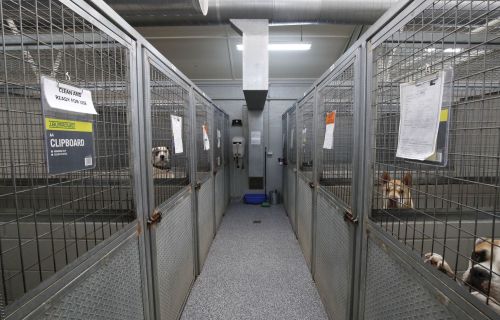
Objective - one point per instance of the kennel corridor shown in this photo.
(254, 270)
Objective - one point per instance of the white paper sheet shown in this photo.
(292, 138)
(419, 119)
(330, 130)
(255, 138)
(65, 97)
(304, 136)
(177, 133)
(218, 138)
(206, 140)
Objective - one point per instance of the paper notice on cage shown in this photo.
(61, 96)
(330, 129)
(419, 119)
(304, 136)
(255, 138)
(292, 137)
(218, 138)
(177, 133)
(206, 140)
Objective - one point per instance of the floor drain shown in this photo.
(257, 221)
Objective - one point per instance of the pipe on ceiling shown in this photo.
(167, 12)
(160, 9)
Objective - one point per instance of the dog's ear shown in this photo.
(408, 179)
(480, 240)
(385, 178)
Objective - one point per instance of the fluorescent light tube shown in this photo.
(283, 47)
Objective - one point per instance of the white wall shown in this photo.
(229, 97)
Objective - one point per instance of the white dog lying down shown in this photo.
(486, 254)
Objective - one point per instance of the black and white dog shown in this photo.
(161, 158)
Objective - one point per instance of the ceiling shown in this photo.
(209, 52)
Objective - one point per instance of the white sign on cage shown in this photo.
(330, 129)
(206, 140)
(420, 110)
(218, 138)
(65, 97)
(177, 133)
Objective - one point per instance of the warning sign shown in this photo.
(69, 145)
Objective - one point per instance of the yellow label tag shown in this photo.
(443, 117)
(67, 125)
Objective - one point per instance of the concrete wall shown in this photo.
(229, 96)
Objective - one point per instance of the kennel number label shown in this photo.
(61, 96)
(69, 145)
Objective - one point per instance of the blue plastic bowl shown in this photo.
(254, 198)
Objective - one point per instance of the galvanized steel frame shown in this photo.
(361, 52)
(141, 53)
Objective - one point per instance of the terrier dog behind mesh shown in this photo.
(396, 193)
(161, 158)
(483, 274)
(161, 161)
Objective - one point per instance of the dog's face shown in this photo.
(484, 268)
(161, 158)
(396, 193)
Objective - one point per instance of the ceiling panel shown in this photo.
(209, 52)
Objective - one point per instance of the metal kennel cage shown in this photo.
(457, 203)
(170, 110)
(292, 165)
(204, 139)
(305, 134)
(49, 220)
(217, 132)
(284, 157)
(335, 214)
(335, 159)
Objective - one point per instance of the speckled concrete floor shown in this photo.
(254, 271)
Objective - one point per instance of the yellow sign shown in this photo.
(67, 125)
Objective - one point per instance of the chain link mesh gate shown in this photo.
(168, 117)
(292, 166)
(227, 160)
(450, 205)
(284, 128)
(304, 192)
(334, 245)
(205, 180)
(219, 176)
(50, 220)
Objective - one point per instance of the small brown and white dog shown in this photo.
(478, 276)
(396, 193)
(161, 158)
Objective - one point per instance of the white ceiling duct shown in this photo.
(188, 12)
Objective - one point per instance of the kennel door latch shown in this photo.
(349, 217)
(312, 185)
(155, 218)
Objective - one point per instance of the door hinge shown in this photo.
(155, 218)
(348, 217)
(197, 186)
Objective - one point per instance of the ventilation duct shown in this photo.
(159, 10)
(188, 12)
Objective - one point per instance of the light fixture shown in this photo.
(453, 50)
(283, 47)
